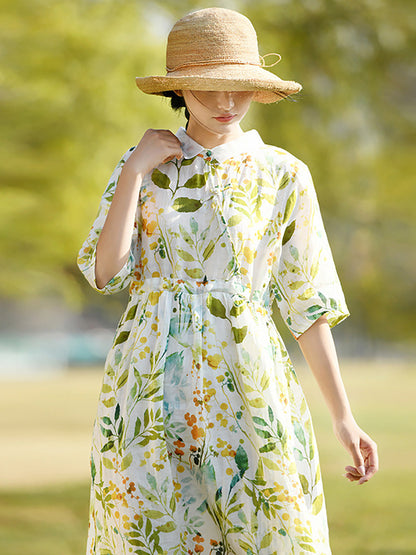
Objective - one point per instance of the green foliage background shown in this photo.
(70, 108)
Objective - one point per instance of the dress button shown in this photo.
(209, 153)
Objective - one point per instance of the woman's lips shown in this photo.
(225, 119)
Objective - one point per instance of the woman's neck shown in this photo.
(210, 139)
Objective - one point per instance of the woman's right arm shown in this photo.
(113, 247)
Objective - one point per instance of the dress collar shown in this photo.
(246, 142)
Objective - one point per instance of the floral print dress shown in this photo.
(203, 441)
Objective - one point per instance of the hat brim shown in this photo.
(267, 86)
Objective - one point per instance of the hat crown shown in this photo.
(212, 36)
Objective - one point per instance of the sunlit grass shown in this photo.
(44, 467)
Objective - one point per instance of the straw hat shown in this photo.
(216, 49)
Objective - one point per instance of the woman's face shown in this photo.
(216, 112)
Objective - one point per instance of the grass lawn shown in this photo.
(44, 483)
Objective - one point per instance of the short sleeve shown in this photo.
(306, 282)
(87, 254)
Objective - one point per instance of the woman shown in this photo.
(203, 441)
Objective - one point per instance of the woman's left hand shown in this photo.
(362, 448)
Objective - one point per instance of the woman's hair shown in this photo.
(177, 102)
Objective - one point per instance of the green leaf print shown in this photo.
(237, 309)
(194, 273)
(289, 232)
(194, 225)
(185, 255)
(307, 294)
(239, 333)
(126, 461)
(241, 460)
(185, 204)
(307, 547)
(294, 252)
(168, 527)
(151, 513)
(259, 421)
(271, 446)
(317, 504)
(304, 483)
(299, 433)
(289, 207)
(284, 181)
(107, 463)
(122, 337)
(122, 379)
(197, 181)
(109, 402)
(185, 235)
(160, 179)
(258, 402)
(187, 161)
(234, 220)
(266, 540)
(216, 307)
(209, 249)
(314, 308)
(296, 284)
(131, 313)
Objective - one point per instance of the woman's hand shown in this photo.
(362, 448)
(156, 147)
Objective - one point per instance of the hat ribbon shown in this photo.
(225, 61)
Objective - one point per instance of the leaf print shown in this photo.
(185, 234)
(241, 460)
(271, 464)
(126, 461)
(194, 225)
(315, 268)
(131, 313)
(194, 273)
(185, 255)
(160, 179)
(292, 267)
(168, 527)
(185, 204)
(109, 402)
(289, 231)
(234, 220)
(266, 540)
(296, 284)
(294, 252)
(187, 161)
(237, 309)
(209, 249)
(196, 181)
(304, 483)
(151, 513)
(299, 433)
(107, 446)
(284, 182)
(289, 206)
(239, 333)
(333, 303)
(307, 547)
(307, 294)
(314, 308)
(122, 337)
(122, 379)
(107, 463)
(258, 402)
(317, 504)
(260, 421)
(216, 307)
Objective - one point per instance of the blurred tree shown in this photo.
(71, 108)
